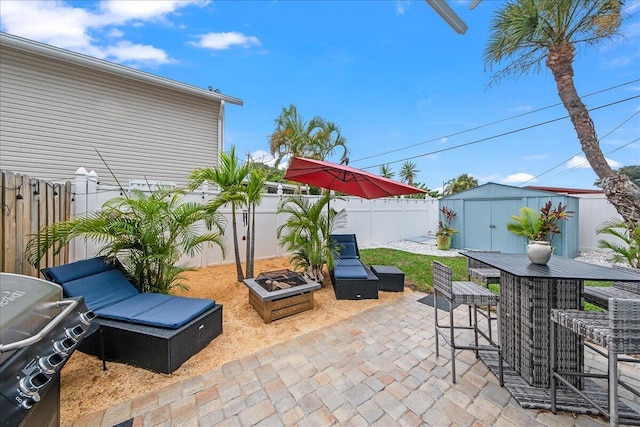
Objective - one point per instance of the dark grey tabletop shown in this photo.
(557, 268)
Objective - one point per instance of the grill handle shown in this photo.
(72, 304)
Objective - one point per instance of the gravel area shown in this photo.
(428, 247)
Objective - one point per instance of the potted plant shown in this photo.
(540, 228)
(445, 230)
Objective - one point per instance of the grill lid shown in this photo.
(27, 304)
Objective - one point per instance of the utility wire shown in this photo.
(499, 135)
(578, 153)
(488, 124)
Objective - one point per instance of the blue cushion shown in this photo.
(102, 289)
(349, 262)
(68, 272)
(165, 311)
(348, 250)
(350, 272)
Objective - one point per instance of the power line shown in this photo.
(488, 124)
(499, 135)
(578, 153)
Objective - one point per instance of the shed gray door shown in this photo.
(485, 225)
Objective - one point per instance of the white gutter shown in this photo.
(27, 45)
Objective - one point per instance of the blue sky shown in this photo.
(400, 83)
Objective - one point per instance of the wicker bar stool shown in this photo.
(598, 295)
(617, 330)
(462, 293)
(478, 271)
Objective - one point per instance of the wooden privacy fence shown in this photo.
(28, 204)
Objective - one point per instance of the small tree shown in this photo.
(306, 234)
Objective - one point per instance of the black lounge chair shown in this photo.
(151, 331)
(352, 279)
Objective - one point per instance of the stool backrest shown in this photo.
(442, 279)
(624, 321)
(633, 287)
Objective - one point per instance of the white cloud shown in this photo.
(125, 51)
(68, 27)
(518, 178)
(580, 162)
(223, 41)
(402, 6)
(536, 157)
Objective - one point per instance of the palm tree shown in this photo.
(461, 183)
(316, 139)
(408, 172)
(385, 171)
(629, 250)
(526, 32)
(255, 190)
(229, 176)
(306, 233)
(148, 233)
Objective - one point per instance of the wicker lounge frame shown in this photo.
(146, 345)
(346, 287)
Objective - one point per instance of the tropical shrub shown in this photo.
(147, 232)
(629, 250)
(539, 226)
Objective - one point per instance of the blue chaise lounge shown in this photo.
(153, 331)
(352, 279)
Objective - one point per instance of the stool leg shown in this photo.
(475, 328)
(552, 368)
(500, 348)
(613, 389)
(453, 343)
(435, 317)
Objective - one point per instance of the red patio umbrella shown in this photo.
(345, 179)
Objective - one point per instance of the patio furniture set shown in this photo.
(542, 330)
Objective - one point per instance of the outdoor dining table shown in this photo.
(528, 293)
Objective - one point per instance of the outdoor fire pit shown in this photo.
(280, 293)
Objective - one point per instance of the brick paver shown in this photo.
(376, 368)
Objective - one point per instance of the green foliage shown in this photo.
(539, 226)
(386, 171)
(306, 234)
(409, 172)
(629, 250)
(444, 225)
(461, 183)
(147, 232)
(316, 139)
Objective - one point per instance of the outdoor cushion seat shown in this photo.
(153, 331)
(350, 272)
(352, 279)
(160, 310)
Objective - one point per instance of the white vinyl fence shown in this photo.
(373, 221)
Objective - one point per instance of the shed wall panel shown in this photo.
(55, 115)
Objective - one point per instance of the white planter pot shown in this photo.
(539, 252)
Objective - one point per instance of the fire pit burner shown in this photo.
(279, 279)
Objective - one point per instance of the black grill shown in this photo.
(39, 331)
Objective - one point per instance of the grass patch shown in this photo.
(417, 268)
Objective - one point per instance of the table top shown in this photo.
(280, 293)
(386, 269)
(557, 268)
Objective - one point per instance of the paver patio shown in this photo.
(375, 368)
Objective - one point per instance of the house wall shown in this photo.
(55, 114)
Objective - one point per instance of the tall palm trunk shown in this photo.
(619, 189)
(252, 254)
(236, 248)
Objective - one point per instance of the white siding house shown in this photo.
(58, 107)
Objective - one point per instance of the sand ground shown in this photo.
(87, 388)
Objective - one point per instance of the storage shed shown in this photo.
(484, 211)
